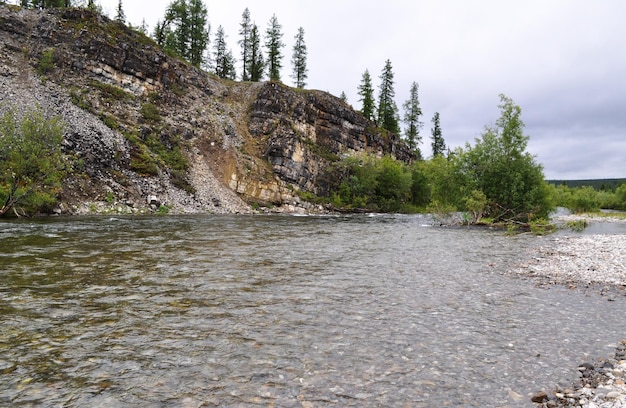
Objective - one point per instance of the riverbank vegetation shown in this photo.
(494, 180)
(31, 162)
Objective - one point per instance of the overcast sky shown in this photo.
(562, 61)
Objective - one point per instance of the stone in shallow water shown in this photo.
(539, 397)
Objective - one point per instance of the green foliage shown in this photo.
(438, 144)
(588, 199)
(31, 162)
(184, 30)
(387, 109)
(366, 92)
(365, 182)
(245, 31)
(222, 57)
(298, 60)
(150, 112)
(46, 62)
(112, 92)
(577, 225)
(475, 204)
(256, 61)
(412, 114)
(498, 166)
(273, 44)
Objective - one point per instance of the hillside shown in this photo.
(148, 130)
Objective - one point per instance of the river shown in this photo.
(284, 311)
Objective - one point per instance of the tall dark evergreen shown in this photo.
(184, 30)
(199, 31)
(256, 62)
(298, 60)
(245, 30)
(366, 92)
(438, 144)
(387, 108)
(222, 57)
(120, 16)
(274, 44)
(412, 113)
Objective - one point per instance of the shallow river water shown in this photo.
(363, 311)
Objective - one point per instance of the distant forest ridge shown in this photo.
(597, 184)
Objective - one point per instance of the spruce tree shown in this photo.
(298, 60)
(223, 58)
(438, 144)
(184, 30)
(198, 32)
(387, 108)
(273, 43)
(366, 92)
(246, 32)
(121, 16)
(256, 62)
(412, 113)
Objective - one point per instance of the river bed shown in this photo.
(202, 311)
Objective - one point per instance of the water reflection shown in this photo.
(281, 311)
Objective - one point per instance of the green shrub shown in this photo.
(31, 162)
(584, 199)
(150, 112)
(46, 61)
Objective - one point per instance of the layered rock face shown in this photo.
(143, 124)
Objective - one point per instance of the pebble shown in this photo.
(586, 261)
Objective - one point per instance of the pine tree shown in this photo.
(366, 92)
(298, 60)
(184, 30)
(343, 97)
(223, 58)
(256, 62)
(387, 108)
(120, 17)
(199, 30)
(438, 144)
(245, 31)
(274, 44)
(412, 113)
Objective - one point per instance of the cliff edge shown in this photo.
(148, 130)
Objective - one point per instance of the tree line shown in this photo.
(385, 114)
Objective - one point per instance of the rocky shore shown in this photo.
(596, 262)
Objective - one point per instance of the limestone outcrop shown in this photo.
(145, 127)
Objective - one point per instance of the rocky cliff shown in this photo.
(147, 129)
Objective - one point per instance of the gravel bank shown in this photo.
(585, 261)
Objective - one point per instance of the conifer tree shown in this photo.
(438, 144)
(412, 113)
(298, 60)
(273, 43)
(366, 92)
(343, 97)
(223, 58)
(245, 42)
(121, 16)
(387, 108)
(256, 62)
(184, 30)
(199, 31)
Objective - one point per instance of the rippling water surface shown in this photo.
(282, 311)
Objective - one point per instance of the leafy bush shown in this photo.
(150, 112)
(46, 62)
(31, 162)
(498, 166)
